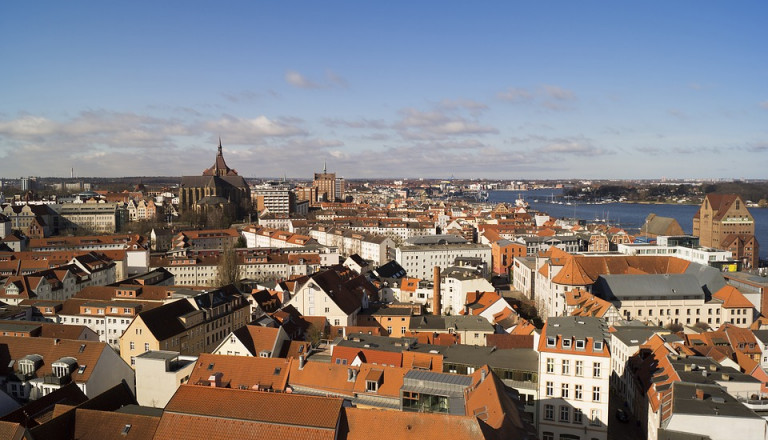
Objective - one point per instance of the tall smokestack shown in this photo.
(72, 173)
(436, 310)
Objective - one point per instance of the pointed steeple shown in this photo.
(219, 167)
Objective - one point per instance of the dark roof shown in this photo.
(390, 270)
(69, 394)
(63, 426)
(164, 321)
(344, 288)
(618, 287)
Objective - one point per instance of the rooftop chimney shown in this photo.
(215, 380)
(436, 300)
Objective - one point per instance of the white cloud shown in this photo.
(377, 124)
(298, 80)
(549, 96)
(416, 124)
(558, 93)
(468, 104)
(515, 95)
(246, 131)
(334, 79)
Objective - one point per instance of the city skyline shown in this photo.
(503, 91)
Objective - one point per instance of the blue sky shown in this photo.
(509, 90)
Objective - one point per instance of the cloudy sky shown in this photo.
(508, 90)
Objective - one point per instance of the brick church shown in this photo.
(219, 187)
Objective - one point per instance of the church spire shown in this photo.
(220, 153)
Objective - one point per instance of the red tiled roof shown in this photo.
(256, 406)
(374, 424)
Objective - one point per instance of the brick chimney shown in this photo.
(215, 380)
(436, 300)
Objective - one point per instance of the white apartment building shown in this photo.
(369, 247)
(625, 343)
(419, 260)
(523, 276)
(400, 230)
(261, 237)
(574, 379)
(98, 217)
(159, 374)
(108, 319)
(455, 283)
(700, 255)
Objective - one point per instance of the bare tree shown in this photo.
(229, 269)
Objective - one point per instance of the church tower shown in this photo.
(219, 168)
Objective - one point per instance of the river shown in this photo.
(626, 215)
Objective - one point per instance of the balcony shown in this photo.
(22, 377)
(50, 379)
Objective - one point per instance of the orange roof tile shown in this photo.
(255, 373)
(174, 426)
(375, 424)
(732, 298)
(256, 406)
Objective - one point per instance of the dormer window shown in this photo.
(566, 343)
(598, 346)
(64, 366)
(580, 344)
(371, 386)
(30, 363)
(551, 341)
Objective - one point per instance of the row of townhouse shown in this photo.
(375, 248)
(395, 229)
(108, 310)
(262, 237)
(38, 366)
(191, 325)
(204, 239)
(201, 268)
(141, 210)
(32, 220)
(61, 282)
(129, 251)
